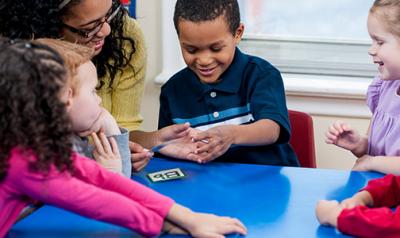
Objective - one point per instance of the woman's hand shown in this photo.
(140, 156)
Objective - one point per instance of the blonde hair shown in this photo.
(389, 12)
(74, 55)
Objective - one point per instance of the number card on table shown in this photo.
(165, 175)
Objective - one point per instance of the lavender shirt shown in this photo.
(384, 101)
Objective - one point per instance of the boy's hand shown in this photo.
(327, 212)
(362, 198)
(183, 148)
(106, 152)
(342, 135)
(140, 157)
(218, 138)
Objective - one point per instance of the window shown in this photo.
(309, 36)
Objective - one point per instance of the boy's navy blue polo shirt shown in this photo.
(249, 90)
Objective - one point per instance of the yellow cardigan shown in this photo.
(124, 99)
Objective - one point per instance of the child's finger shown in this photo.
(240, 224)
(332, 130)
(97, 143)
(337, 128)
(105, 143)
(330, 138)
(233, 228)
(114, 146)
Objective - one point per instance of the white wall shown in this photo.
(148, 14)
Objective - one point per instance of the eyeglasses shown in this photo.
(89, 34)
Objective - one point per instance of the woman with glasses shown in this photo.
(119, 56)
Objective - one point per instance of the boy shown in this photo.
(233, 98)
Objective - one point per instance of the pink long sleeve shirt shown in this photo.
(90, 191)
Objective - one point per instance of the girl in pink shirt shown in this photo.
(37, 163)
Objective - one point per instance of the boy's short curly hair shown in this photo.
(207, 10)
(33, 119)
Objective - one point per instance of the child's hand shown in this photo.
(364, 163)
(218, 139)
(327, 212)
(209, 225)
(342, 135)
(140, 157)
(106, 152)
(362, 198)
(202, 224)
(106, 122)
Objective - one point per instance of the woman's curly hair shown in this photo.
(42, 19)
(32, 117)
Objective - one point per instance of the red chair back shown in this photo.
(302, 139)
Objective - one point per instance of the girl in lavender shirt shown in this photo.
(380, 149)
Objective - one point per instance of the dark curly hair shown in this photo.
(23, 19)
(32, 117)
(207, 10)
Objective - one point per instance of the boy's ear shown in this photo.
(239, 33)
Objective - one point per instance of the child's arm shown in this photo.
(137, 207)
(99, 194)
(220, 138)
(362, 221)
(382, 164)
(342, 135)
(353, 216)
(202, 224)
(362, 198)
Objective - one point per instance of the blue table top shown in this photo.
(271, 201)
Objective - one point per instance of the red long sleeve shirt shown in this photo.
(379, 221)
(90, 191)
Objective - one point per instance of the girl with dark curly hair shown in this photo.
(37, 164)
(119, 56)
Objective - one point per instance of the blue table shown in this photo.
(272, 201)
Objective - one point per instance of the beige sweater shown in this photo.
(124, 100)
